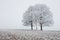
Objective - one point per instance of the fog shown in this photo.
(11, 13)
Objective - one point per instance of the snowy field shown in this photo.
(29, 35)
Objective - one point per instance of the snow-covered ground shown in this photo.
(29, 35)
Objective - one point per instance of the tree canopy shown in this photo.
(38, 14)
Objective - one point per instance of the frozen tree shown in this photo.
(38, 14)
(43, 15)
(28, 18)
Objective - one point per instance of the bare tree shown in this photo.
(38, 14)
(43, 15)
(28, 18)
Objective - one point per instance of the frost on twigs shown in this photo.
(38, 15)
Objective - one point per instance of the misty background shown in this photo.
(11, 13)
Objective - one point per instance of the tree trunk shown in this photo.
(36, 26)
(41, 26)
(31, 25)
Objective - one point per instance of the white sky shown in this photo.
(11, 13)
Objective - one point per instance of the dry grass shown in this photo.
(29, 35)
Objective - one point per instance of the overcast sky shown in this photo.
(11, 13)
